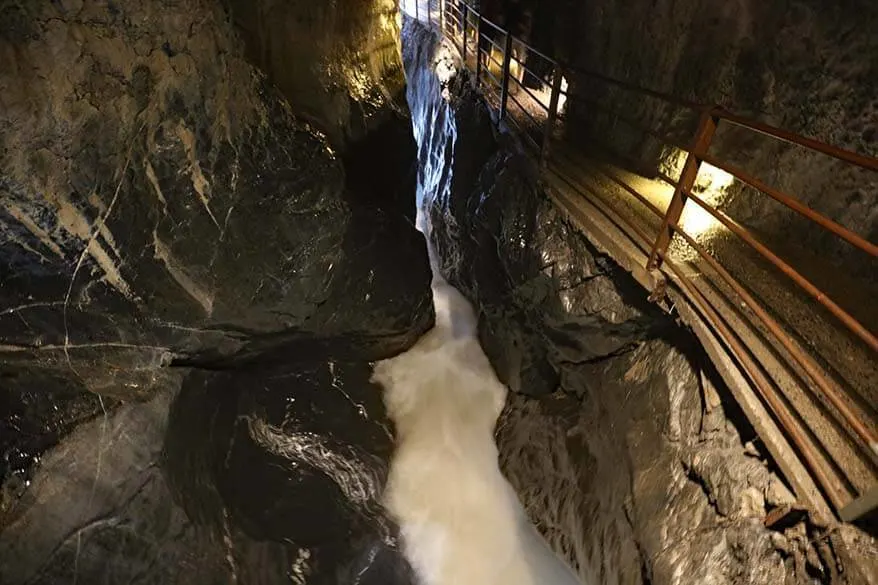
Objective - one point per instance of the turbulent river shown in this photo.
(461, 522)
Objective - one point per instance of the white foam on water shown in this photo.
(461, 521)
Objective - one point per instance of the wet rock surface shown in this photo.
(621, 440)
(250, 477)
(619, 497)
(319, 420)
(545, 295)
(347, 74)
(187, 213)
(161, 203)
(180, 233)
(655, 478)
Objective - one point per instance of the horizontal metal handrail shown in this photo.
(788, 270)
(451, 23)
(454, 7)
(526, 68)
(851, 323)
(490, 40)
(795, 205)
(492, 24)
(832, 490)
(827, 389)
(855, 158)
(530, 93)
(868, 437)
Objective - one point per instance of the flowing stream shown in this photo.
(461, 521)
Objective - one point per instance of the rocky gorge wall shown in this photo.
(196, 268)
(621, 440)
(346, 76)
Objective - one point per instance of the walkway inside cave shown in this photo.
(842, 352)
(577, 161)
(842, 356)
(581, 165)
(460, 519)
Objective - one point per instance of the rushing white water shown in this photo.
(461, 521)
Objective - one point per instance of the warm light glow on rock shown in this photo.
(544, 95)
(711, 186)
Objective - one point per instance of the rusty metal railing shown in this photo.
(499, 64)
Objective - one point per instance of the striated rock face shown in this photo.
(179, 210)
(160, 202)
(622, 442)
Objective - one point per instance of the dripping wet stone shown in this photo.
(217, 242)
(216, 228)
(244, 433)
(125, 496)
(294, 456)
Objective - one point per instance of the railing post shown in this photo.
(703, 136)
(416, 10)
(442, 17)
(557, 76)
(504, 85)
(478, 50)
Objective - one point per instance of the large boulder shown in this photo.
(254, 476)
(162, 203)
(172, 205)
